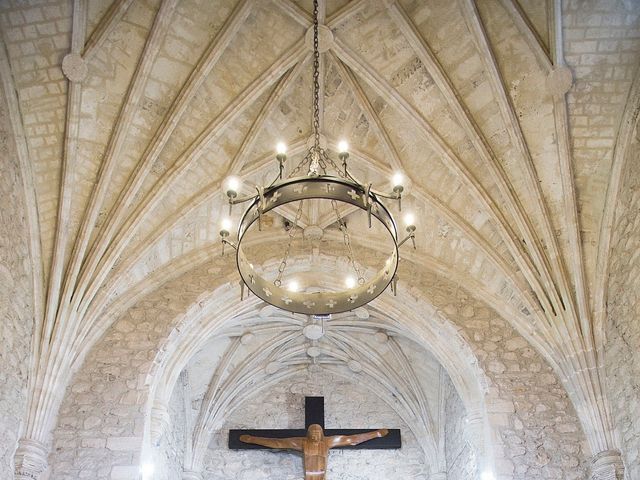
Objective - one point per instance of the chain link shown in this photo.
(347, 242)
(316, 79)
(292, 233)
(318, 160)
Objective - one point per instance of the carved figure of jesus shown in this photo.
(314, 447)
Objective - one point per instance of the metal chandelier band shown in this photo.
(317, 184)
(318, 187)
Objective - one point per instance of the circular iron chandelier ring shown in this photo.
(324, 187)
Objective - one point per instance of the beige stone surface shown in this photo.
(503, 115)
(623, 330)
(16, 296)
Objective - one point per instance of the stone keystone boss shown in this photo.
(314, 447)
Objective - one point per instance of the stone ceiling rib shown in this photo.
(414, 385)
(570, 204)
(240, 158)
(442, 413)
(62, 242)
(206, 63)
(384, 374)
(374, 118)
(203, 195)
(134, 230)
(480, 143)
(214, 129)
(553, 260)
(217, 394)
(345, 13)
(530, 34)
(483, 45)
(30, 199)
(265, 162)
(108, 165)
(628, 122)
(57, 323)
(221, 391)
(107, 24)
(294, 11)
(392, 96)
(461, 224)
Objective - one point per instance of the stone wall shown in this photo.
(623, 327)
(16, 296)
(460, 454)
(347, 405)
(100, 425)
(526, 403)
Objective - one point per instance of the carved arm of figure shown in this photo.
(293, 443)
(344, 440)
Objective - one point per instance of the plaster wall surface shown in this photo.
(347, 405)
(16, 297)
(623, 327)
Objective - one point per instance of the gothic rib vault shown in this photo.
(512, 125)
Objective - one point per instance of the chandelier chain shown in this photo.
(316, 79)
(347, 242)
(292, 233)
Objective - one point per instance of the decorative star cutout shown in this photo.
(330, 187)
(276, 195)
(309, 303)
(286, 300)
(353, 194)
(267, 292)
(371, 289)
(299, 188)
(353, 298)
(331, 303)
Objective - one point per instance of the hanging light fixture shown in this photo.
(356, 290)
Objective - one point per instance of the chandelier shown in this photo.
(341, 187)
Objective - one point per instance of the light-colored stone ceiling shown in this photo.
(503, 114)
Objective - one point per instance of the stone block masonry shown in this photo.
(623, 327)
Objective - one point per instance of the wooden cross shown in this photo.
(314, 414)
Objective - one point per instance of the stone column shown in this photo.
(607, 465)
(30, 459)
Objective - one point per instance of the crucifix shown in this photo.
(315, 442)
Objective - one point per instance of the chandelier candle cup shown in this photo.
(281, 156)
(410, 221)
(343, 155)
(398, 187)
(225, 228)
(232, 186)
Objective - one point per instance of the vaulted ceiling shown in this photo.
(508, 150)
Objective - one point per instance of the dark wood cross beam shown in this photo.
(314, 413)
